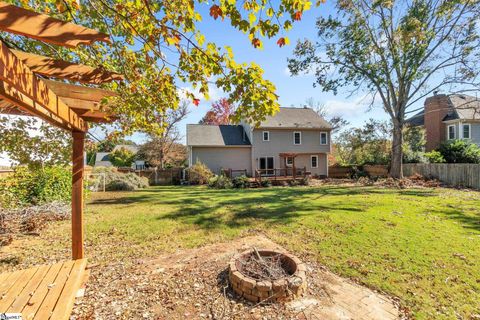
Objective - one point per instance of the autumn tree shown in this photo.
(159, 48)
(165, 149)
(221, 112)
(31, 142)
(398, 51)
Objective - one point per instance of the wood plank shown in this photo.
(38, 296)
(10, 296)
(10, 281)
(54, 292)
(64, 306)
(26, 293)
(4, 276)
(78, 167)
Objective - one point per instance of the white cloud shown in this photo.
(349, 108)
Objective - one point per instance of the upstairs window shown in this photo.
(266, 135)
(466, 131)
(451, 132)
(323, 138)
(297, 137)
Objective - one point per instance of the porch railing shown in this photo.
(273, 174)
(232, 173)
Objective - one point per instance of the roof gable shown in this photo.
(293, 118)
(466, 107)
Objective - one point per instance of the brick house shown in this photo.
(448, 117)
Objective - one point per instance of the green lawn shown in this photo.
(421, 245)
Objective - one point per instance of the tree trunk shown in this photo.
(396, 167)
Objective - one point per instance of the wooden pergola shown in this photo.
(26, 89)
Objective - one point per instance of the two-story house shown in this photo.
(293, 137)
(449, 117)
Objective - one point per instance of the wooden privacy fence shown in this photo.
(377, 170)
(346, 172)
(455, 174)
(338, 172)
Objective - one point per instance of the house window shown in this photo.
(314, 162)
(323, 138)
(266, 135)
(289, 161)
(451, 132)
(297, 137)
(466, 131)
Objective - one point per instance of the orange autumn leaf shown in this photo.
(216, 11)
(297, 16)
(196, 101)
(256, 42)
(281, 42)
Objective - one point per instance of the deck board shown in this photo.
(43, 292)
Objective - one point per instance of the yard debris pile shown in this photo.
(415, 181)
(263, 267)
(30, 220)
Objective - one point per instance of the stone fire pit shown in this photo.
(271, 288)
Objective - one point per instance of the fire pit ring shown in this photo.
(279, 290)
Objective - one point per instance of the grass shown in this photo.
(421, 245)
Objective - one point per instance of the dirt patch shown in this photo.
(193, 284)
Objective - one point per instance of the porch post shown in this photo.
(77, 194)
(293, 167)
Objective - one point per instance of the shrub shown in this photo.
(199, 174)
(241, 182)
(122, 157)
(434, 157)
(460, 151)
(266, 183)
(220, 182)
(117, 181)
(36, 186)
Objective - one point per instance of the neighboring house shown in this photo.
(102, 159)
(294, 136)
(448, 117)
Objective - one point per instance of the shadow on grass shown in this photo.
(470, 221)
(213, 208)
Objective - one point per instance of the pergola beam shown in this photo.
(31, 94)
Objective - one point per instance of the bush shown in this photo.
(434, 157)
(220, 182)
(199, 174)
(117, 181)
(305, 181)
(31, 187)
(241, 182)
(122, 157)
(266, 183)
(460, 151)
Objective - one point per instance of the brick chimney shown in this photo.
(436, 108)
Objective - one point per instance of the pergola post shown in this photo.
(77, 194)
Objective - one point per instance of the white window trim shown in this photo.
(311, 158)
(263, 135)
(469, 130)
(300, 133)
(288, 164)
(326, 138)
(454, 132)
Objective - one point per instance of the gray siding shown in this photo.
(474, 127)
(281, 141)
(217, 158)
(476, 133)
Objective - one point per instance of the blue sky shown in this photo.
(292, 91)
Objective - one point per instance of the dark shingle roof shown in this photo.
(210, 135)
(296, 118)
(416, 120)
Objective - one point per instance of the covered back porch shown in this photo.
(288, 170)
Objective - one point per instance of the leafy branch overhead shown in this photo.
(158, 46)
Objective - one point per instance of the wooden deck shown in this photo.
(43, 292)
